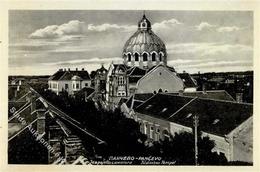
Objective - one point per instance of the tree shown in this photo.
(181, 149)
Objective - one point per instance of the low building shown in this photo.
(227, 123)
(70, 81)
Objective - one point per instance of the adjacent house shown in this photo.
(227, 123)
(69, 80)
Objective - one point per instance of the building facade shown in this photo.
(70, 81)
(226, 122)
(144, 68)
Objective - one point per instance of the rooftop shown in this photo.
(215, 116)
(67, 75)
(209, 94)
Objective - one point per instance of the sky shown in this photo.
(42, 41)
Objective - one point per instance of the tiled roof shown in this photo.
(212, 94)
(136, 71)
(67, 75)
(12, 105)
(215, 116)
(138, 99)
(57, 75)
(163, 105)
(143, 96)
(188, 80)
(87, 90)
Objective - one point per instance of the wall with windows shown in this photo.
(231, 146)
(67, 85)
(144, 59)
(154, 128)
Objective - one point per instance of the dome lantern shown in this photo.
(144, 24)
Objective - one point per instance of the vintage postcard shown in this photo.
(164, 85)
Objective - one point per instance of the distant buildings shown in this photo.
(71, 81)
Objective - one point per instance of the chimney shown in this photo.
(184, 71)
(181, 92)
(239, 97)
(76, 69)
(82, 69)
(68, 69)
(41, 121)
(65, 69)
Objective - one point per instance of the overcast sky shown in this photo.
(41, 42)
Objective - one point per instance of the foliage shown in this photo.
(181, 149)
(123, 135)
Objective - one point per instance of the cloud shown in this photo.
(204, 25)
(110, 27)
(228, 29)
(73, 27)
(166, 24)
(194, 57)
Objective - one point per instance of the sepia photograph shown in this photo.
(130, 87)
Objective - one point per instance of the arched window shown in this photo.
(136, 57)
(145, 57)
(129, 57)
(160, 57)
(153, 57)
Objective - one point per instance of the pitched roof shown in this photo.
(215, 116)
(188, 80)
(87, 90)
(143, 96)
(136, 71)
(211, 94)
(57, 75)
(67, 75)
(163, 105)
(138, 99)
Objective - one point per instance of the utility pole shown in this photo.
(196, 124)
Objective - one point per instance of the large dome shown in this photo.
(144, 48)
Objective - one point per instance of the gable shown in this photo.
(159, 78)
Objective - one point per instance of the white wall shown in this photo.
(159, 78)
